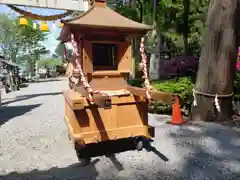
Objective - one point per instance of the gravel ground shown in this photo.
(34, 145)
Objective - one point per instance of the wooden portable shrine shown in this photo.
(100, 105)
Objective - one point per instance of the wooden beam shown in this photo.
(74, 99)
(102, 101)
(155, 95)
(99, 99)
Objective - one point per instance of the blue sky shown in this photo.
(51, 41)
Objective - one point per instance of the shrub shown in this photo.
(180, 66)
(236, 89)
(181, 86)
(236, 97)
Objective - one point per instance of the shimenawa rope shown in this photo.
(216, 96)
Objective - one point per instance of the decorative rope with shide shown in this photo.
(216, 96)
(143, 67)
(84, 81)
(82, 77)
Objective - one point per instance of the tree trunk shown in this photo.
(155, 37)
(186, 4)
(141, 11)
(217, 63)
(133, 5)
(155, 61)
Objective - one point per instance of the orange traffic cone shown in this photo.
(176, 114)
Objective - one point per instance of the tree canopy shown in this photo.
(20, 44)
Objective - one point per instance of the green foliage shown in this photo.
(128, 12)
(9, 37)
(181, 86)
(59, 51)
(237, 87)
(135, 82)
(169, 20)
(49, 63)
(173, 26)
(30, 42)
(21, 44)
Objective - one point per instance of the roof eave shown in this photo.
(146, 28)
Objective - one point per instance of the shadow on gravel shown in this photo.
(9, 112)
(89, 172)
(211, 151)
(30, 96)
(109, 148)
(214, 152)
(23, 85)
(150, 148)
(73, 172)
(46, 80)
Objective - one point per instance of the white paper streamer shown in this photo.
(216, 102)
(194, 99)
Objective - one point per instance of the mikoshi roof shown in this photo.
(101, 16)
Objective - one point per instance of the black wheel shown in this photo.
(82, 154)
(138, 143)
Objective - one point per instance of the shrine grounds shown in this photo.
(34, 145)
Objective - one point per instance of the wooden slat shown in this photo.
(87, 57)
(100, 100)
(74, 99)
(113, 134)
(155, 95)
(125, 57)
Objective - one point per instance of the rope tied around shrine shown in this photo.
(216, 96)
(143, 67)
(82, 76)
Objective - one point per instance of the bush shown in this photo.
(236, 97)
(49, 63)
(181, 86)
(180, 66)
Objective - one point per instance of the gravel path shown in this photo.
(34, 145)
